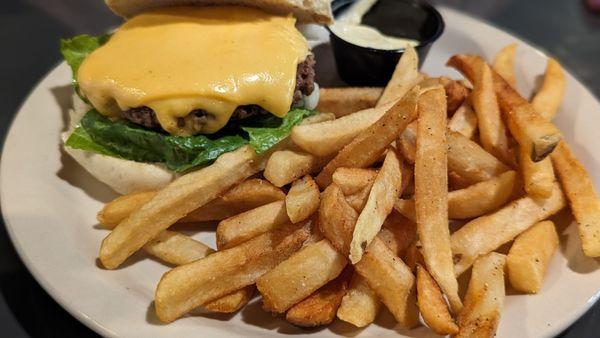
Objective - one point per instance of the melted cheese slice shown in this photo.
(178, 59)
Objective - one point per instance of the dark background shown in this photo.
(29, 35)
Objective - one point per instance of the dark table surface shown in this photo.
(30, 31)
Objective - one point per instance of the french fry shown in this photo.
(406, 208)
(347, 100)
(413, 256)
(538, 177)
(232, 302)
(548, 98)
(397, 233)
(300, 275)
(504, 64)
(391, 280)
(245, 196)
(383, 194)
(337, 219)
(191, 285)
(456, 182)
(432, 305)
(121, 207)
(467, 159)
(431, 192)
(464, 121)
(535, 134)
(530, 255)
(179, 198)
(302, 200)
(285, 166)
(320, 307)
(583, 198)
(486, 233)
(326, 138)
(456, 94)
(360, 305)
(484, 299)
(406, 76)
(407, 142)
(359, 200)
(353, 180)
(237, 229)
(368, 146)
(492, 131)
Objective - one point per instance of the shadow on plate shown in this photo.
(570, 244)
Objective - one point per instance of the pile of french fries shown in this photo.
(354, 210)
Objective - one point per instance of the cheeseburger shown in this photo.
(182, 82)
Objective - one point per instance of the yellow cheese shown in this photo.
(178, 59)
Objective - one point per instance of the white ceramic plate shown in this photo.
(49, 204)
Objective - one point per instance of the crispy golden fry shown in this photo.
(380, 203)
(407, 142)
(177, 249)
(534, 133)
(300, 275)
(320, 307)
(360, 305)
(464, 121)
(368, 146)
(530, 255)
(337, 219)
(121, 207)
(353, 180)
(583, 198)
(406, 207)
(398, 232)
(189, 286)
(413, 256)
(548, 98)
(232, 302)
(504, 64)
(538, 177)
(359, 199)
(179, 198)
(431, 192)
(492, 131)
(391, 280)
(405, 77)
(456, 94)
(326, 138)
(237, 229)
(484, 299)
(467, 159)
(302, 200)
(247, 195)
(287, 165)
(456, 182)
(347, 100)
(486, 233)
(432, 305)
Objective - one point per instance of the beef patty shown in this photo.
(305, 84)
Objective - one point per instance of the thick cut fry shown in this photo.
(456, 94)
(548, 98)
(406, 208)
(368, 146)
(432, 305)
(487, 233)
(414, 257)
(189, 286)
(431, 192)
(467, 159)
(535, 134)
(320, 307)
(302, 200)
(179, 198)
(121, 207)
(492, 132)
(232, 302)
(240, 228)
(285, 166)
(359, 199)
(538, 177)
(337, 219)
(380, 203)
(347, 100)
(300, 275)
(326, 138)
(398, 232)
(360, 305)
(464, 121)
(504, 64)
(583, 198)
(484, 299)
(353, 180)
(406, 75)
(530, 255)
(407, 142)
(391, 280)
(245, 196)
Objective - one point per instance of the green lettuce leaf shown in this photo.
(76, 49)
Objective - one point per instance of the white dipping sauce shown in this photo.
(349, 27)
